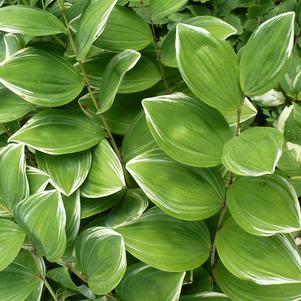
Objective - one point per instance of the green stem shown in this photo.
(52, 293)
(75, 272)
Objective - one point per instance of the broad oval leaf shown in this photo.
(13, 180)
(37, 179)
(67, 172)
(12, 106)
(215, 26)
(29, 21)
(238, 289)
(52, 80)
(92, 24)
(106, 175)
(113, 76)
(142, 282)
(264, 260)
(124, 30)
(214, 78)
(185, 193)
(166, 243)
(264, 205)
(198, 136)
(20, 278)
(264, 60)
(254, 153)
(58, 132)
(11, 240)
(162, 8)
(42, 216)
(101, 257)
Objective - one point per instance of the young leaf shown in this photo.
(254, 153)
(37, 179)
(198, 136)
(106, 175)
(142, 282)
(124, 30)
(166, 243)
(58, 132)
(67, 172)
(238, 289)
(52, 80)
(92, 24)
(11, 240)
(264, 205)
(42, 216)
(13, 180)
(290, 161)
(209, 66)
(264, 260)
(205, 296)
(29, 21)
(13, 43)
(189, 194)
(264, 59)
(113, 76)
(101, 257)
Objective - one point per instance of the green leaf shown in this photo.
(58, 132)
(11, 240)
(72, 208)
(198, 136)
(20, 278)
(37, 179)
(101, 257)
(264, 260)
(92, 24)
(264, 59)
(12, 106)
(254, 153)
(162, 8)
(291, 83)
(166, 243)
(29, 21)
(272, 98)
(67, 172)
(13, 43)
(138, 139)
(238, 289)
(205, 296)
(142, 282)
(106, 175)
(290, 161)
(214, 78)
(130, 207)
(124, 30)
(215, 26)
(113, 76)
(42, 216)
(13, 181)
(264, 205)
(189, 194)
(58, 82)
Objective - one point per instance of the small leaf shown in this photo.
(198, 136)
(58, 132)
(106, 175)
(214, 78)
(29, 21)
(238, 289)
(92, 24)
(254, 153)
(11, 240)
(13, 43)
(166, 243)
(113, 76)
(264, 260)
(142, 282)
(264, 205)
(43, 218)
(264, 60)
(205, 296)
(189, 194)
(52, 80)
(67, 172)
(37, 179)
(101, 257)
(162, 8)
(290, 161)
(271, 98)
(13, 181)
